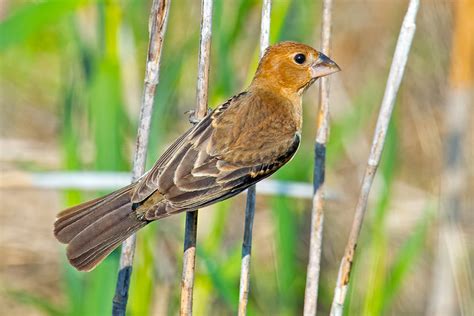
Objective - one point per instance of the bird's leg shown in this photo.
(192, 116)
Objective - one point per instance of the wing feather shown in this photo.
(147, 183)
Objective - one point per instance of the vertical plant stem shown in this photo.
(190, 234)
(157, 29)
(246, 250)
(251, 194)
(317, 213)
(393, 84)
(265, 26)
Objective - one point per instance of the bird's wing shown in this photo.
(147, 184)
(209, 164)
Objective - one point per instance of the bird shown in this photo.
(239, 143)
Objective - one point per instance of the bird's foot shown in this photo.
(192, 116)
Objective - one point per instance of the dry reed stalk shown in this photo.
(395, 76)
(190, 234)
(251, 192)
(317, 212)
(157, 28)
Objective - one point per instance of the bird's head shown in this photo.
(292, 67)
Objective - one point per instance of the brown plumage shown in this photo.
(242, 141)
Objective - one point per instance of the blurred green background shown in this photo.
(71, 75)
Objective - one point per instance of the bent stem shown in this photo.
(395, 76)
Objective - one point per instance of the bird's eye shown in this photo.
(300, 58)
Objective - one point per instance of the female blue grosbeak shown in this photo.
(241, 142)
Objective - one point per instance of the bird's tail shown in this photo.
(94, 229)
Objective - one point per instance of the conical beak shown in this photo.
(323, 66)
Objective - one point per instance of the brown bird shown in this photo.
(241, 142)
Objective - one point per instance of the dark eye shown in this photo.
(300, 58)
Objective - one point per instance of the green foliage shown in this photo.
(25, 22)
(409, 252)
(143, 273)
(287, 274)
(381, 281)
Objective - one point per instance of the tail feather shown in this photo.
(94, 229)
(94, 256)
(85, 255)
(117, 222)
(74, 219)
